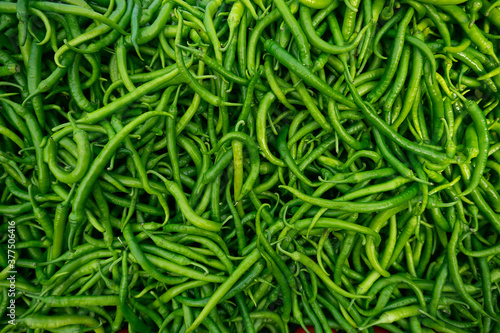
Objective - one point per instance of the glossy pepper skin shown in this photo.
(226, 166)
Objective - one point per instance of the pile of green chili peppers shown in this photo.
(250, 166)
